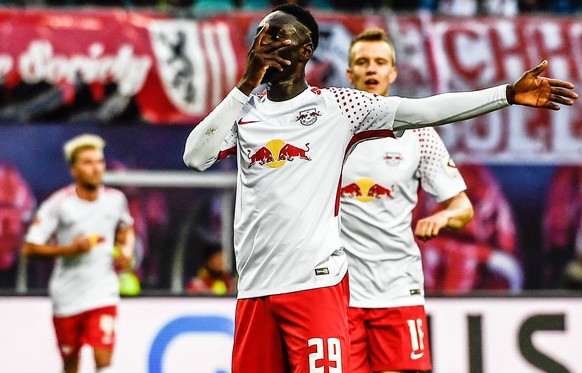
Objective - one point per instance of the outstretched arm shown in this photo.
(529, 90)
(457, 213)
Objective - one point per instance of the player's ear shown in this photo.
(393, 75)
(306, 52)
(349, 76)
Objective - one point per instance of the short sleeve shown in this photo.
(44, 224)
(438, 173)
(364, 112)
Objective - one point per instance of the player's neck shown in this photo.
(87, 193)
(286, 90)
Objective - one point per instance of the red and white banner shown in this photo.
(177, 70)
(450, 54)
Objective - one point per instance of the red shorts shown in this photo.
(385, 339)
(94, 327)
(300, 332)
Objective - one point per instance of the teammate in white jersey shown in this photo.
(88, 229)
(290, 144)
(380, 181)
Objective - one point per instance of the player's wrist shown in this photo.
(510, 94)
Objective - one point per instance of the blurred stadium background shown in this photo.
(142, 73)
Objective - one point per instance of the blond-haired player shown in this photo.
(387, 319)
(79, 225)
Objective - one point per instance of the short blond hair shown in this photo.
(373, 34)
(82, 142)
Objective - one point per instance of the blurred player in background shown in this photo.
(84, 225)
(380, 181)
(291, 142)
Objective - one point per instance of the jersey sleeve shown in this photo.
(44, 224)
(447, 108)
(125, 218)
(366, 114)
(206, 141)
(438, 173)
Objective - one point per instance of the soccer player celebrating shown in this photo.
(380, 180)
(290, 142)
(80, 225)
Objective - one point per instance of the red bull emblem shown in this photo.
(276, 152)
(262, 156)
(308, 117)
(366, 190)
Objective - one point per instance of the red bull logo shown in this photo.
(366, 190)
(276, 152)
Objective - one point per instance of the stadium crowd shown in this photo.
(448, 7)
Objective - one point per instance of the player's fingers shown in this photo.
(277, 62)
(551, 105)
(560, 83)
(275, 46)
(561, 100)
(260, 35)
(564, 93)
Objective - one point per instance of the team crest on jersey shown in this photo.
(393, 158)
(308, 117)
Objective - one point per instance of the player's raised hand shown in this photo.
(537, 91)
(260, 57)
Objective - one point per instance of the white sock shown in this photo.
(105, 370)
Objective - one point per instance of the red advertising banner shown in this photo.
(176, 70)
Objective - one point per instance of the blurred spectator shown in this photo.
(506, 8)
(571, 276)
(482, 255)
(462, 8)
(212, 277)
(561, 222)
(17, 204)
(564, 6)
(303, 3)
(358, 6)
(528, 6)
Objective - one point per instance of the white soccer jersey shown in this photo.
(87, 281)
(290, 157)
(379, 192)
(289, 165)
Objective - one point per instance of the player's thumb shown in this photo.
(539, 68)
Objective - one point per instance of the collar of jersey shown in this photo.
(287, 104)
